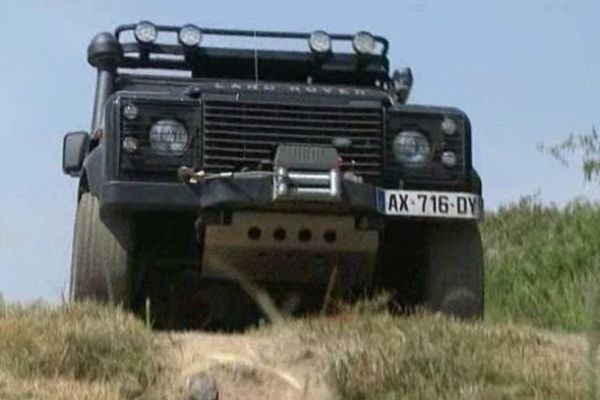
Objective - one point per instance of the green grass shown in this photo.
(542, 264)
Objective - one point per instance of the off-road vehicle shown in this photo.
(286, 162)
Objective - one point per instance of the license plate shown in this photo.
(431, 204)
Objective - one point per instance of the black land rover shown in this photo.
(217, 173)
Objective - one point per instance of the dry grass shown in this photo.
(76, 351)
(367, 354)
(88, 352)
(378, 356)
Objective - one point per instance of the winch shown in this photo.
(307, 173)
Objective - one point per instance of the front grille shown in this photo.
(246, 134)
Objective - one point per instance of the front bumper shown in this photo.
(247, 193)
(225, 193)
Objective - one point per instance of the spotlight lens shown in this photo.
(145, 32)
(363, 43)
(190, 36)
(319, 42)
(449, 159)
(411, 148)
(449, 126)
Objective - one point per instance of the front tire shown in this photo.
(439, 266)
(100, 266)
(455, 275)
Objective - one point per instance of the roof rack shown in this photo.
(165, 51)
(254, 34)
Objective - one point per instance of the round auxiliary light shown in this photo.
(130, 111)
(319, 42)
(145, 32)
(169, 137)
(411, 148)
(363, 43)
(449, 159)
(190, 36)
(449, 126)
(130, 144)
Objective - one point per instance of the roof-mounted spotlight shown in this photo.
(363, 43)
(319, 42)
(145, 32)
(190, 36)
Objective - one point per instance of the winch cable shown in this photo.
(188, 175)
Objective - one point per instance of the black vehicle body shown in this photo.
(240, 107)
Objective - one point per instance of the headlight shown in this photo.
(363, 43)
(169, 137)
(190, 36)
(319, 42)
(411, 148)
(145, 32)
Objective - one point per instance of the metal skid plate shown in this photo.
(281, 247)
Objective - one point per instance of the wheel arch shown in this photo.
(91, 175)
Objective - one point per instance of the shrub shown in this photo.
(541, 263)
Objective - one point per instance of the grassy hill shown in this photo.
(543, 265)
(86, 352)
(539, 339)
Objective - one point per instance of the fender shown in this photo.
(93, 176)
(476, 185)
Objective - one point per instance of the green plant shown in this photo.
(539, 260)
(586, 145)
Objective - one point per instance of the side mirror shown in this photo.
(75, 147)
(402, 82)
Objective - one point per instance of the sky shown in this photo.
(526, 72)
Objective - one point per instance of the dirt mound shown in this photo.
(382, 357)
(88, 352)
(248, 366)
